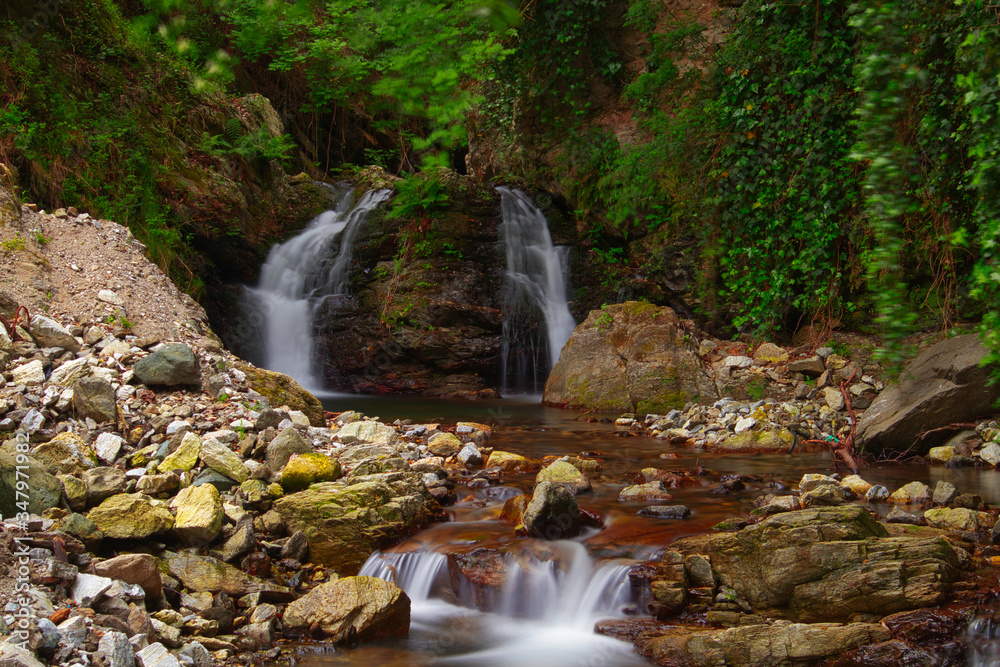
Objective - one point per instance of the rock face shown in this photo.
(345, 521)
(552, 513)
(169, 366)
(355, 608)
(828, 563)
(943, 385)
(628, 357)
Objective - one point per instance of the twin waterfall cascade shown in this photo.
(536, 277)
(299, 274)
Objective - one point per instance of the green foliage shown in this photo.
(13, 245)
(422, 194)
(41, 239)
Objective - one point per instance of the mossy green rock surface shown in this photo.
(280, 389)
(629, 357)
(203, 573)
(303, 470)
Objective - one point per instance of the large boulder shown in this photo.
(131, 516)
(280, 389)
(354, 608)
(628, 357)
(943, 385)
(309, 468)
(171, 365)
(552, 513)
(829, 563)
(283, 447)
(345, 521)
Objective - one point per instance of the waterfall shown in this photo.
(569, 589)
(299, 274)
(536, 283)
(984, 642)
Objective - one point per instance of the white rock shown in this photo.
(470, 455)
(225, 436)
(990, 453)
(73, 631)
(14, 655)
(30, 374)
(108, 446)
(737, 361)
(51, 395)
(65, 400)
(299, 419)
(241, 423)
(107, 296)
(811, 480)
(106, 374)
(70, 372)
(89, 587)
(834, 398)
(744, 424)
(116, 649)
(49, 333)
(5, 341)
(176, 425)
(156, 655)
(125, 392)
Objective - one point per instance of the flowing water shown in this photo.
(537, 322)
(546, 596)
(299, 274)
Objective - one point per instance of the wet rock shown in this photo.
(665, 511)
(347, 520)
(302, 470)
(972, 501)
(771, 440)
(94, 398)
(828, 563)
(565, 475)
(958, 519)
(49, 333)
(940, 454)
(856, 485)
(131, 517)
(942, 385)
(444, 444)
(199, 513)
(470, 455)
(647, 491)
(914, 493)
(507, 461)
(628, 357)
(825, 495)
(899, 515)
(352, 609)
(810, 481)
(877, 494)
(944, 493)
(284, 445)
(172, 365)
(139, 569)
(513, 509)
(785, 644)
(552, 513)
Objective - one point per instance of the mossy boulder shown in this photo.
(131, 516)
(199, 513)
(566, 475)
(508, 461)
(44, 490)
(203, 573)
(280, 389)
(629, 357)
(775, 441)
(304, 470)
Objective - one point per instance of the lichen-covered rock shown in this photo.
(768, 441)
(628, 357)
(131, 516)
(552, 513)
(66, 454)
(184, 457)
(641, 492)
(44, 490)
(221, 459)
(203, 573)
(352, 609)
(829, 563)
(566, 475)
(303, 470)
(170, 366)
(444, 444)
(199, 513)
(280, 389)
(508, 461)
(345, 521)
(959, 519)
(914, 493)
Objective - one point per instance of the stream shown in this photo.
(544, 611)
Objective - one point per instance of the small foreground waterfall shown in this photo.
(535, 295)
(543, 613)
(984, 642)
(298, 275)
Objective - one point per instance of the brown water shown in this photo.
(545, 614)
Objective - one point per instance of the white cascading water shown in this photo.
(299, 274)
(545, 614)
(984, 642)
(536, 280)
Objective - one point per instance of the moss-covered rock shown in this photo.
(303, 470)
(566, 475)
(280, 389)
(199, 513)
(131, 516)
